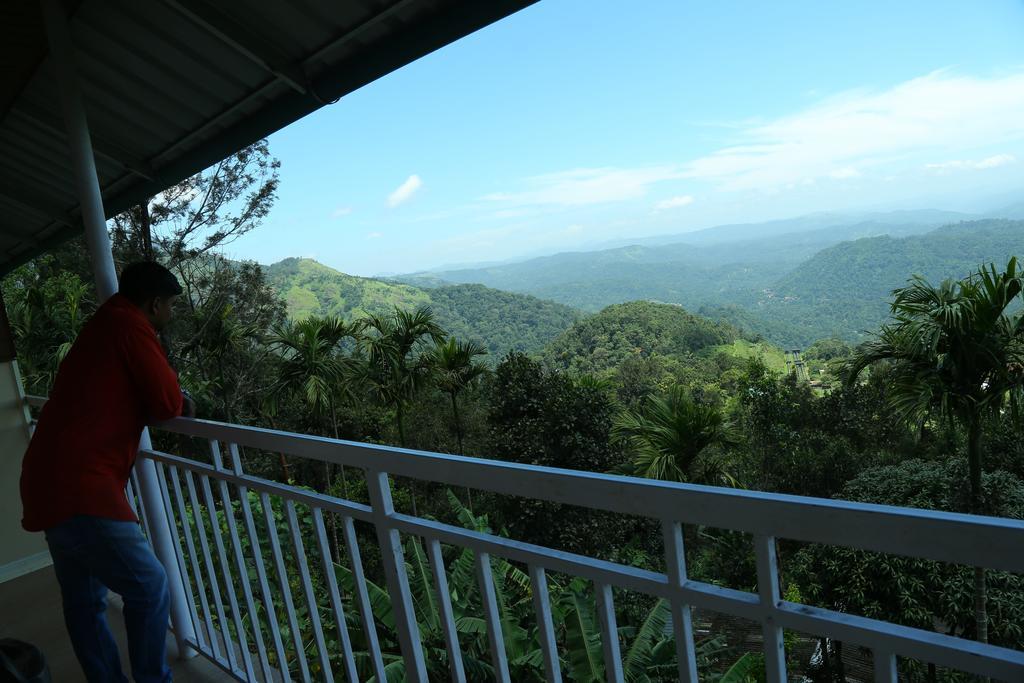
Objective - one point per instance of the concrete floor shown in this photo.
(30, 610)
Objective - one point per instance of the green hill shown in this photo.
(844, 290)
(311, 288)
(636, 329)
(500, 321)
(641, 348)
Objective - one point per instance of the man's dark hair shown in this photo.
(145, 280)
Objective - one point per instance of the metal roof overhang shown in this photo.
(173, 86)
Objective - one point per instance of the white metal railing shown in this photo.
(993, 543)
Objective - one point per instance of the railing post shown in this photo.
(605, 603)
(492, 615)
(682, 616)
(94, 222)
(768, 588)
(545, 627)
(398, 580)
(885, 666)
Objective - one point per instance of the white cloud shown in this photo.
(374, 235)
(997, 160)
(574, 229)
(967, 165)
(860, 128)
(341, 211)
(405, 191)
(842, 174)
(584, 186)
(673, 202)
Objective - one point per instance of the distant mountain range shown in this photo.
(763, 277)
(719, 266)
(847, 226)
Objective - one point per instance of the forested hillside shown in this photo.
(844, 290)
(640, 349)
(500, 321)
(637, 329)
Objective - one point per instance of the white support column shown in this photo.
(87, 184)
(62, 56)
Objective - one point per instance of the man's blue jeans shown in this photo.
(90, 555)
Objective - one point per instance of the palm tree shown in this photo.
(392, 369)
(313, 368)
(668, 436)
(954, 350)
(455, 370)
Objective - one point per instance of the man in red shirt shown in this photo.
(114, 381)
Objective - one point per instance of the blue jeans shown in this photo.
(90, 555)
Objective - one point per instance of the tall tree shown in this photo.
(455, 371)
(668, 436)
(394, 369)
(219, 343)
(203, 212)
(955, 351)
(543, 417)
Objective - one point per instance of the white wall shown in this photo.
(20, 551)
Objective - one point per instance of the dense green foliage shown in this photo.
(500, 321)
(546, 418)
(638, 329)
(641, 349)
(914, 592)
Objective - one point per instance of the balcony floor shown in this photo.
(30, 610)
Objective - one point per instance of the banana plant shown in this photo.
(650, 655)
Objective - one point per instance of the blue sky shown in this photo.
(574, 122)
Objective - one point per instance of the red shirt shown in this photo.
(114, 381)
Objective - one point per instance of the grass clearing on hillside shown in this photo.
(773, 356)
